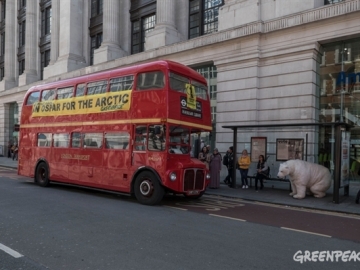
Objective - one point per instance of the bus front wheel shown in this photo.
(42, 175)
(147, 189)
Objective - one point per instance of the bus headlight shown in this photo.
(208, 176)
(172, 176)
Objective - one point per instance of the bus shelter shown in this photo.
(337, 143)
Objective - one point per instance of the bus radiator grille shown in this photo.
(194, 179)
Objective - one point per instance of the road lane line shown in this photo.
(319, 234)
(10, 251)
(177, 208)
(238, 219)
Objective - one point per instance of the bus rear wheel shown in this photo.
(42, 175)
(147, 189)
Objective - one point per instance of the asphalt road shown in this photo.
(64, 227)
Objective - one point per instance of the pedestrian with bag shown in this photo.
(215, 168)
(244, 164)
(262, 170)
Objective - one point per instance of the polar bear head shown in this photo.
(284, 170)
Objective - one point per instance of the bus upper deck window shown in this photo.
(48, 95)
(80, 90)
(178, 82)
(150, 80)
(65, 92)
(32, 98)
(95, 88)
(200, 90)
(121, 84)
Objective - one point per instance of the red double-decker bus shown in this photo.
(129, 130)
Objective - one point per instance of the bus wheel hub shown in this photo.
(146, 188)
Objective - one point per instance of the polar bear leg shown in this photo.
(293, 189)
(301, 190)
(317, 193)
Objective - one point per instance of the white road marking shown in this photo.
(10, 251)
(238, 219)
(177, 208)
(319, 234)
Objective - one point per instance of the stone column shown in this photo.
(31, 49)
(110, 47)
(9, 81)
(165, 32)
(70, 38)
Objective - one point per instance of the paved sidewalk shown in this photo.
(275, 193)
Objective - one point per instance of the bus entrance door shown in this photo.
(139, 146)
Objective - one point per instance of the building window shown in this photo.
(45, 60)
(203, 17)
(143, 19)
(2, 38)
(210, 74)
(3, 10)
(46, 21)
(2, 44)
(2, 71)
(22, 32)
(95, 44)
(22, 4)
(45, 39)
(139, 30)
(21, 35)
(329, 2)
(96, 7)
(96, 27)
(21, 66)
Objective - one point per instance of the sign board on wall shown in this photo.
(287, 149)
(258, 147)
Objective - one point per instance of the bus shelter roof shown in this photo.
(288, 125)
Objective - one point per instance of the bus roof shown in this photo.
(128, 70)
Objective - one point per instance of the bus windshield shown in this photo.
(179, 138)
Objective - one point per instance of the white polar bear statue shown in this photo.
(306, 177)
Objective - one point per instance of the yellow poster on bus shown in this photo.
(191, 96)
(107, 102)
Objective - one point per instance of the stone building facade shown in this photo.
(267, 61)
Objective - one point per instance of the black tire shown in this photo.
(195, 196)
(147, 189)
(42, 175)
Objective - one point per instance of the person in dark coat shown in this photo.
(215, 167)
(10, 145)
(261, 169)
(230, 166)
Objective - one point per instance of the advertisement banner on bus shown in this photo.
(111, 101)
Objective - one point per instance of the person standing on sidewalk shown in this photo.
(262, 168)
(215, 167)
(244, 164)
(230, 166)
(10, 145)
(15, 152)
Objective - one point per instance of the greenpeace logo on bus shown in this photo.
(83, 105)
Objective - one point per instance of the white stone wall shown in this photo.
(266, 66)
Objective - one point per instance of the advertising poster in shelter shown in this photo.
(258, 147)
(287, 149)
(345, 159)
